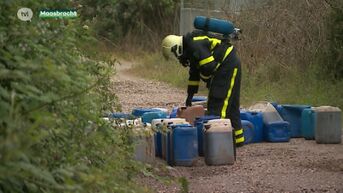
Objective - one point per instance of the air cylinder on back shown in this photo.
(214, 25)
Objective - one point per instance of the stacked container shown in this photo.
(182, 145)
(199, 123)
(328, 125)
(190, 113)
(157, 127)
(275, 128)
(256, 118)
(149, 116)
(218, 142)
(138, 112)
(144, 144)
(308, 123)
(278, 131)
(166, 132)
(248, 131)
(292, 114)
(173, 113)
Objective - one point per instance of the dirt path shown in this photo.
(297, 166)
(136, 92)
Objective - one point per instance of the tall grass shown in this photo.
(295, 87)
(283, 52)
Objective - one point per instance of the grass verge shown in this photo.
(266, 82)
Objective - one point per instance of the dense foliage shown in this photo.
(335, 51)
(52, 97)
(131, 22)
(294, 56)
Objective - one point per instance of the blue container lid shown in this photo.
(199, 98)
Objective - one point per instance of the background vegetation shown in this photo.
(294, 56)
(54, 89)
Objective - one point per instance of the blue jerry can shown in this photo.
(308, 123)
(256, 118)
(158, 144)
(156, 125)
(138, 112)
(199, 123)
(292, 114)
(278, 131)
(149, 116)
(248, 131)
(183, 145)
(199, 98)
(173, 113)
(167, 142)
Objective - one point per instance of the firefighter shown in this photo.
(213, 60)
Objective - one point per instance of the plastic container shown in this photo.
(138, 112)
(156, 125)
(144, 144)
(256, 118)
(292, 114)
(161, 109)
(173, 113)
(218, 144)
(278, 131)
(149, 116)
(270, 114)
(308, 122)
(278, 107)
(328, 125)
(182, 145)
(166, 129)
(248, 131)
(199, 98)
(201, 103)
(190, 113)
(199, 123)
(221, 26)
(222, 122)
(119, 115)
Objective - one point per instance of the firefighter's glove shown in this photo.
(189, 100)
(183, 60)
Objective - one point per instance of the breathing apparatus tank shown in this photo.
(220, 26)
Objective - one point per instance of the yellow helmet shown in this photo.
(172, 46)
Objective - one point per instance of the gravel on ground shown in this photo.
(297, 166)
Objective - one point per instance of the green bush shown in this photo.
(131, 22)
(52, 97)
(333, 62)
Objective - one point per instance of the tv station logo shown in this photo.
(26, 14)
